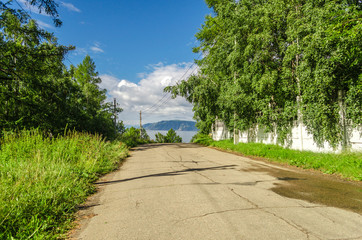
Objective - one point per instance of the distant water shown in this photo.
(185, 135)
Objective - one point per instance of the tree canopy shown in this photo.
(275, 63)
(37, 90)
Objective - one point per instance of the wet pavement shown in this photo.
(315, 187)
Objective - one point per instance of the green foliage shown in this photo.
(30, 69)
(43, 181)
(144, 135)
(276, 63)
(347, 164)
(89, 110)
(47, 6)
(120, 128)
(171, 137)
(202, 139)
(159, 137)
(133, 137)
(36, 88)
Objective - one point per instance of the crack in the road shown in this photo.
(300, 228)
(219, 204)
(327, 217)
(294, 225)
(240, 209)
(217, 212)
(244, 198)
(255, 206)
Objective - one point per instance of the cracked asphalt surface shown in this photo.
(186, 191)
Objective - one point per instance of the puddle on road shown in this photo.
(315, 187)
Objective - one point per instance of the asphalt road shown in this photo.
(185, 191)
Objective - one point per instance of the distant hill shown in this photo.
(176, 125)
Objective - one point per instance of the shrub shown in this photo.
(171, 137)
(133, 137)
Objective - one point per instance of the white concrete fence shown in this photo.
(300, 139)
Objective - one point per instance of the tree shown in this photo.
(92, 113)
(48, 6)
(37, 91)
(133, 137)
(274, 64)
(159, 137)
(144, 135)
(30, 71)
(171, 137)
(120, 128)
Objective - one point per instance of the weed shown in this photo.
(42, 181)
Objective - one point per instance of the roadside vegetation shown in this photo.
(133, 137)
(346, 164)
(270, 64)
(43, 181)
(45, 174)
(170, 137)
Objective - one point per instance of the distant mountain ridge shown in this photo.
(176, 125)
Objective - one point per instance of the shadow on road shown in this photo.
(167, 174)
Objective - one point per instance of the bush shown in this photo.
(133, 137)
(171, 137)
(202, 139)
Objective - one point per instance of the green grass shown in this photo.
(347, 164)
(42, 181)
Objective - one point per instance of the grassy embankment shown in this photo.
(42, 181)
(347, 164)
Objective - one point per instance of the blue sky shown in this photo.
(139, 47)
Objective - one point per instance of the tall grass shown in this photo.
(347, 164)
(42, 181)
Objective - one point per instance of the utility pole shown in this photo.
(115, 114)
(141, 123)
(140, 120)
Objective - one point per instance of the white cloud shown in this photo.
(70, 7)
(96, 48)
(148, 96)
(44, 25)
(79, 51)
(108, 82)
(125, 83)
(32, 9)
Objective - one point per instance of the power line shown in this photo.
(170, 97)
(20, 6)
(156, 102)
(66, 57)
